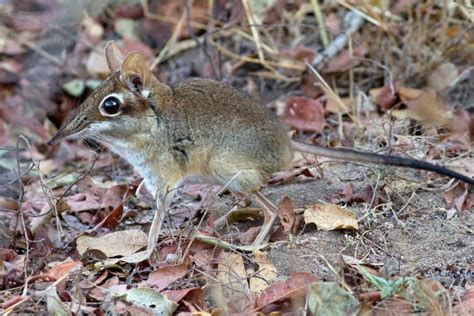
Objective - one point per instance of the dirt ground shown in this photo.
(409, 235)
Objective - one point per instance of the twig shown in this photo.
(352, 23)
(254, 30)
(320, 21)
(39, 50)
(333, 95)
(171, 42)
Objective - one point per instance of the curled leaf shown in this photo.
(330, 217)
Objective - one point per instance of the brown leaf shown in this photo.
(456, 144)
(247, 237)
(384, 97)
(304, 114)
(232, 273)
(96, 65)
(300, 52)
(329, 217)
(443, 76)
(332, 106)
(194, 295)
(287, 215)
(366, 195)
(121, 243)
(207, 257)
(297, 283)
(112, 220)
(163, 277)
(265, 274)
(426, 106)
(345, 61)
(63, 268)
(457, 197)
(310, 86)
(466, 306)
(115, 195)
(57, 272)
(83, 201)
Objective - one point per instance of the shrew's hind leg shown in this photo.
(241, 176)
(269, 216)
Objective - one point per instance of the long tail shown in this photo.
(360, 156)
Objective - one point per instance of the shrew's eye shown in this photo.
(110, 105)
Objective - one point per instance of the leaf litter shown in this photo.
(58, 232)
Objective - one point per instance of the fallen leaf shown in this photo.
(296, 284)
(248, 237)
(426, 106)
(457, 197)
(300, 52)
(328, 298)
(332, 106)
(92, 28)
(287, 215)
(365, 195)
(385, 97)
(96, 65)
(164, 276)
(121, 243)
(63, 268)
(150, 299)
(127, 28)
(330, 217)
(194, 295)
(265, 274)
(444, 76)
(304, 114)
(75, 87)
(54, 304)
(232, 273)
(83, 201)
(455, 144)
(345, 60)
(466, 305)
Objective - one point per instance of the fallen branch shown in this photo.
(352, 23)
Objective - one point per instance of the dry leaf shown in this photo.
(96, 65)
(232, 273)
(332, 106)
(287, 216)
(385, 97)
(121, 243)
(266, 273)
(83, 202)
(297, 283)
(466, 306)
(304, 114)
(163, 277)
(426, 106)
(457, 197)
(193, 296)
(330, 217)
(345, 60)
(444, 76)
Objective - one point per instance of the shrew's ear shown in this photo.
(113, 56)
(135, 73)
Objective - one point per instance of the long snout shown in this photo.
(74, 126)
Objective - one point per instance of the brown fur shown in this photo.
(199, 128)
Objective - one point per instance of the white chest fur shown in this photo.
(141, 163)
